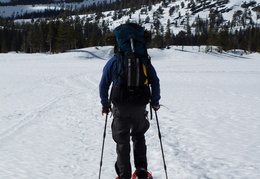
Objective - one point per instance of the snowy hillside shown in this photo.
(178, 14)
(52, 127)
(5, 1)
(8, 11)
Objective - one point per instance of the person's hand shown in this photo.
(106, 109)
(156, 108)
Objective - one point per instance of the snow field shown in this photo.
(52, 127)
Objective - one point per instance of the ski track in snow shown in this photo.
(52, 127)
(53, 114)
(25, 120)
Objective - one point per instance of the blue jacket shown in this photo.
(109, 74)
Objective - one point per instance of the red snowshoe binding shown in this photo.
(142, 174)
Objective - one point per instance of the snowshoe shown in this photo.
(142, 174)
(134, 176)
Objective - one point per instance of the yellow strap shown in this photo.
(145, 73)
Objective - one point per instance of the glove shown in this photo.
(106, 110)
(156, 108)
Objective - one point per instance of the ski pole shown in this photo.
(102, 151)
(160, 138)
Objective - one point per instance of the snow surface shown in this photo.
(52, 127)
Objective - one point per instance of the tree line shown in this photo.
(54, 36)
(94, 8)
(67, 32)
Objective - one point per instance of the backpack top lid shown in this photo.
(129, 31)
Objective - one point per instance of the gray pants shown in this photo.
(129, 120)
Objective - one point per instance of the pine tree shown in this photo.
(78, 38)
(95, 36)
(257, 39)
(14, 42)
(64, 35)
(222, 40)
(30, 38)
(158, 41)
(167, 36)
(4, 47)
(42, 36)
(50, 35)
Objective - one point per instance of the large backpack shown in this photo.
(133, 63)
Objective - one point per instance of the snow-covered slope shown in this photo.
(5, 1)
(52, 127)
(8, 11)
(175, 14)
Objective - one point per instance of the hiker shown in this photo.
(129, 103)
